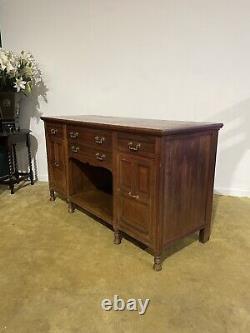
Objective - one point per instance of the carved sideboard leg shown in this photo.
(71, 207)
(52, 195)
(117, 237)
(204, 235)
(157, 263)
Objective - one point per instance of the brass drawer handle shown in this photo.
(99, 140)
(57, 164)
(100, 156)
(73, 135)
(133, 147)
(75, 149)
(133, 196)
(53, 131)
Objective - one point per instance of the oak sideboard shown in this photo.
(150, 179)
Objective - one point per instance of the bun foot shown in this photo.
(157, 264)
(71, 207)
(52, 195)
(204, 235)
(117, 237)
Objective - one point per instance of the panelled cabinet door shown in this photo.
(136, 187)
(56, 163)
(125, 172)
(144, 179)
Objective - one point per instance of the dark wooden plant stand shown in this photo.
(9, 140)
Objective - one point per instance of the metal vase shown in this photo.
(9, 110)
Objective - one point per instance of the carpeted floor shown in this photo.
(55, 268)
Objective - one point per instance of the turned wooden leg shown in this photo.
(11, 170)
(11, 187)
(157, 263)
(15, 164)
(30, 160)
(71, 207)
(52, 195)
(117, 237)
(204, 235)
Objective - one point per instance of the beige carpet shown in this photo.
(55, 268)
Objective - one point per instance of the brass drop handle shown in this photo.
(100, 156)
(53, 131)
(73, 135)
(133, 196)
(134, 147)
(99, 140)
(57, 164)
(75, 149)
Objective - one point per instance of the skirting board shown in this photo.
(235, 192)
(43, 178)
(218, 190)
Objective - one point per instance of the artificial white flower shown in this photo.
(19, 71)
(9, 67)
(19, 85)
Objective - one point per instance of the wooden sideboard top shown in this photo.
(152, 126)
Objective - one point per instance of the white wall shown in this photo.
(166, 59)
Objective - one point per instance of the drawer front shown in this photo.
(137, 144)
(54, 130)
(92, 137)
(97, 157)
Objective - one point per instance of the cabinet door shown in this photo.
(125, 172)
(56, 164)
(136, 187)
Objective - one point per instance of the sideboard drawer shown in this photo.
(90, 155)
(55, 130)
(97, 138)
(137, 144)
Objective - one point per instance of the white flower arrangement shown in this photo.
(18, 72)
